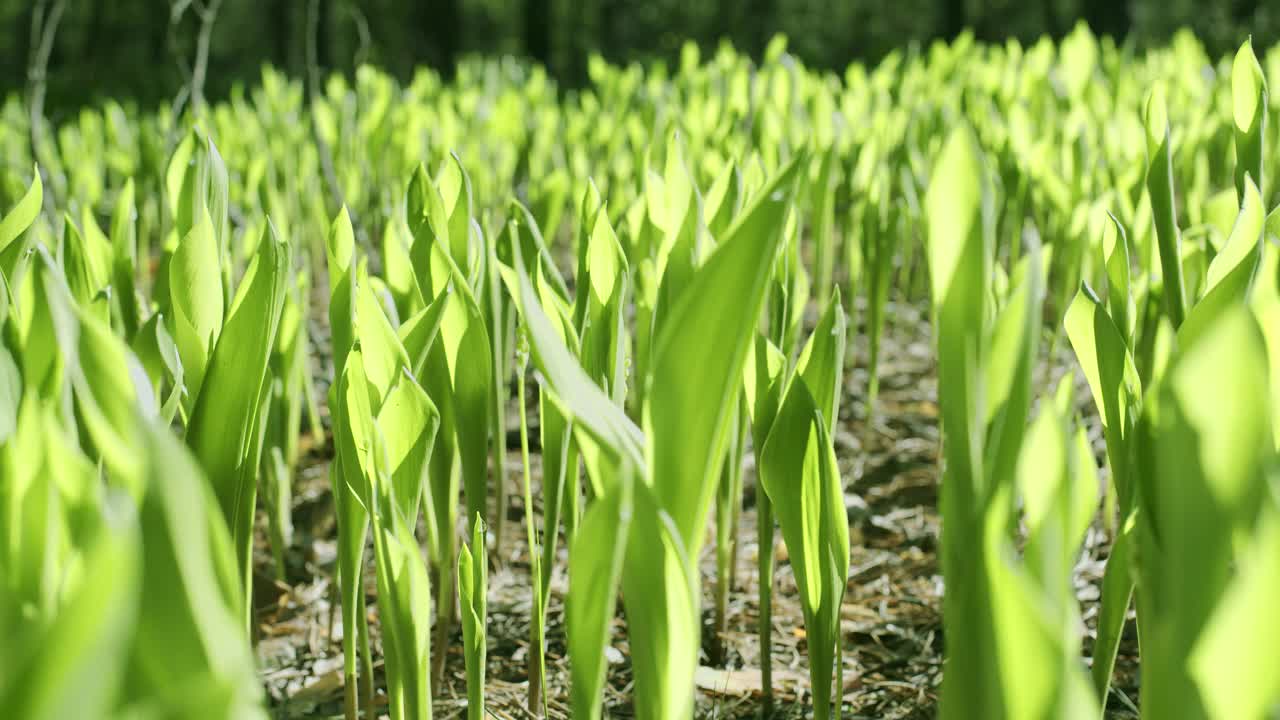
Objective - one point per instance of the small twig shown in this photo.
(362, 31)
(176, 10)
(44, 27)
(175, 16)
(313, 89)
(207, 17)
(313, 54)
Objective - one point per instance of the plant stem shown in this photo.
(572, 495)
(838, 700)
(349, 614)
(735, 518)
(366, 655)
(728, 506)
(764, 565)
(207, 17)
(445, 606)
(44, 27)
(499, 422)
(537, 651)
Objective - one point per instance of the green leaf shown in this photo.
(723, 200)
(1243, 240)
(595, 570)
(397, 267)
(418, 334)
(1009, 358)
(87, 259)
(959, 246)
(16, 222)
(472, 587)
(111, 393)
(1160, 191)
(177, 184)
(1117, 589)
(124, 250)
(1230, 276)
(955, 209)
(1109, 369)
(348, 481)
(688, 403)
(339, 251)
(465, 340)
(605, 274)
(405, 592)
(1113, 381)
(797, 468)
(824, 220)
(763, 387)
(1116, 257)
(216, 195)
(821, 363)
(1230, 662)
(1249, 105)
(226, 423)
(50, 343)
(463, 335)
(1203, 446)
(191, 655)
(384, 357)
(84, 645)
(10, 392)
(586, 403)
(559, 474)
(660, 593)
(161, 361)
(959, 250)
(408, 421)
(195, 293)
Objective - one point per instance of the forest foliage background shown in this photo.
(141, 49)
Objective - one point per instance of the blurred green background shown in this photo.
(142, 49)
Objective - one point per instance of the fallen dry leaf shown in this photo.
(740, 683)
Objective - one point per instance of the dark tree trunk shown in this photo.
(282, 30)
(611, 39)
(954, 18)
(1107, 17)
(439, 24)
(762, 19)
(324, 33)
(158, 25)
(93, 45)
(22, 44)
(1052, 26)
(448, 32)
(537, 30)
(1244, 10)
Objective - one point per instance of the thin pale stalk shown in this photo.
(366, 657)
(728, 506)
(445, 608)
(446, 575)
(1161, 191)
(735, 518)
(351, 530)
(311, 397)
(243, 536)
(837, 702)
(537, 652)
(572, 496)
(764, 565)
(278, 501)
(499, 431)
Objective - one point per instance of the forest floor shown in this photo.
(891, 618)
